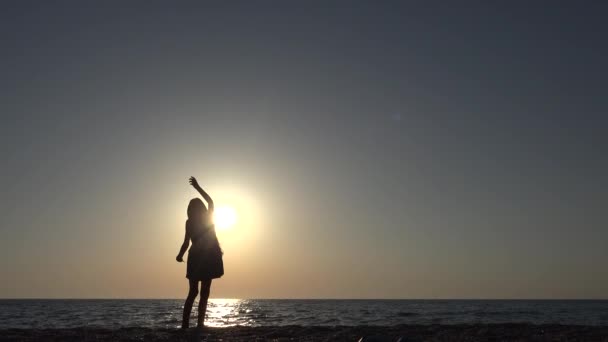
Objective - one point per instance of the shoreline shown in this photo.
(433, 332)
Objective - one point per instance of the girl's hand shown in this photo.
(179, 258)
(194, 183)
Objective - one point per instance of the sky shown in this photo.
(371, 149)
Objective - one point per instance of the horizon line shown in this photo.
(302, 298)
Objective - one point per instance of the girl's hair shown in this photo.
(195, 208)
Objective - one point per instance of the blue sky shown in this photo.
(371, 149)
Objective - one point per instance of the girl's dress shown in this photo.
(205, 255)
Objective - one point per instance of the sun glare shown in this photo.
(224, 217)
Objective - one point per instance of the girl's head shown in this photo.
(196, 209)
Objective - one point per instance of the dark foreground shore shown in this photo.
(474, 332)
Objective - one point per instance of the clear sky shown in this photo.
(379, 149)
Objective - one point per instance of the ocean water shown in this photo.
(41, 313)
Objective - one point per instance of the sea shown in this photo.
(166, 313)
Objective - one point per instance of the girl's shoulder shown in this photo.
(193, 224)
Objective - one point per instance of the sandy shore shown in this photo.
(475, 332)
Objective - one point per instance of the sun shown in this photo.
(224, 217)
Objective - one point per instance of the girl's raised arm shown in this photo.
(205, 195)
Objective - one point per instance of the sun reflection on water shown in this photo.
(225, 312)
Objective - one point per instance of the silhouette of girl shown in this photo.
(204, 257)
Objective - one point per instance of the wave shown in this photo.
(407, 314)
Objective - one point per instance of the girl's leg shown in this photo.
(202, 302)
(188, 305)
